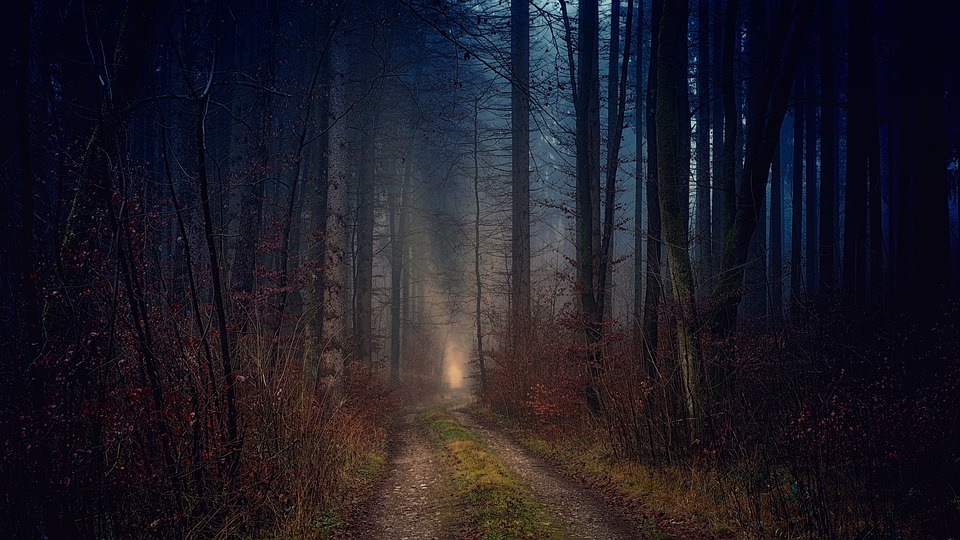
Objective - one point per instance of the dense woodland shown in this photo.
(718, 236)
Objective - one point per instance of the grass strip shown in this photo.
(499, 505)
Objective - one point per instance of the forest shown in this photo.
(262, 260)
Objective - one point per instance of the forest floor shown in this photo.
(415, 499)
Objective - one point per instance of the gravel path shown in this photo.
(581, 511)
(410, 503)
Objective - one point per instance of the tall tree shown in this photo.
(672, 171)
(396, 271)
(335, 244)
(865, 38)
(520, 149)
(614, 140)
(788, 35)
(775, 268)
(703, 238)
(653, 290)
(756, 273)
(611, 165)
(796, 196)
(478, 278)
(587, 106)
(828, 148)
(366, 201)
(731, 120)
(368, 122)
(718, 190)
(859, 166)
(638, 214)
(810, 181)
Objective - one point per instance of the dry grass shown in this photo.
(499, 505)
(675, 502)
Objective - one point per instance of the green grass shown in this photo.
(500, 506)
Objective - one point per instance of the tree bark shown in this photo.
(520, 147)
(481, 365)
(366, 202)
(335, 263)
(638, 229)
(672, 170)
(703, 237)
(654, 288)
(396, 275)
(718, 182)
(614, 140)
(587, 106)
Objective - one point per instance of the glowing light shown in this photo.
(454, 360)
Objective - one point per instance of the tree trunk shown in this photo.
(396, 274)
(811, 185)
(776, 237)
(613, 147)
(731, 120)
(828, 148)
(476, 247)
(366, 201)
(653, 291)
(756, 272)
(335, 263)
(672, 171)
(318, 175)
(520, 146)
(865, 38)
(229, 375)
(796, 197)
(703, 238)
(718, 189)
(787, 38)
(615, 138)
(587, 105)
(638, 257)
(858, 159)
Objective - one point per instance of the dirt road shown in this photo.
(413, 502)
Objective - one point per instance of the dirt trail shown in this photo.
(410, 503)
(413, 501)
(581, 511)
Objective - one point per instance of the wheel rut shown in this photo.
(413, 500)
(411, 503)
(581, 511)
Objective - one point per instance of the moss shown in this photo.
(499, 505)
